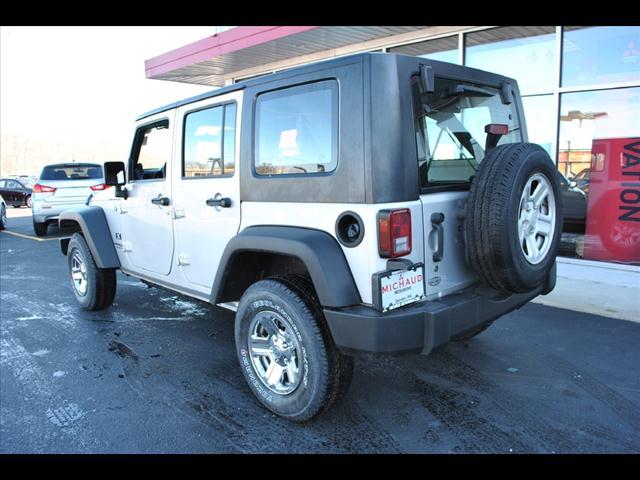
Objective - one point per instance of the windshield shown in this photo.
(450, 129)
(72, 171)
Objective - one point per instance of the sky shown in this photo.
(85, 85)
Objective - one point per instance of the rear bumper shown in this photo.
(424, 326)
(49, 212)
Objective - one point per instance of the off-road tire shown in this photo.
(3, 217)
(40, 229)
(343, 363)
(491, 218)
(101, 282)
(326, 372)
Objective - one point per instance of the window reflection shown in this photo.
(592, 55)
(539, 115)
(524, 53)
(441, 49)
(598, 152)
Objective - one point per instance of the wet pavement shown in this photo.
(157, 372)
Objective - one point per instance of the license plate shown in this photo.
(398, 288)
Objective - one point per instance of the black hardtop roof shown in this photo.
(302, 69)
(249, 82)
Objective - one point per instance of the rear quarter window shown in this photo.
(297, 130)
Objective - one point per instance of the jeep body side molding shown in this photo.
(92, 222)
(317, 250)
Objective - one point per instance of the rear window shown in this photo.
(450, 129)
(74, 171)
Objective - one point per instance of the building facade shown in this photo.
(580, 88)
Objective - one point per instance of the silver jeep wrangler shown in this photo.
(373, 203)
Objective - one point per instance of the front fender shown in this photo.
(317, 250)
(95, 228)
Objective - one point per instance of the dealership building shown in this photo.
(581, 97)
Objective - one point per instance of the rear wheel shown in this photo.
(93, 287)
(27, 201)
(514, 218)
(3, 216)
(40, 229)
(286, 351)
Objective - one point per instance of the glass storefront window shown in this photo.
(442, 49)
(524, 53)
(599, 158)
(539, 115)
(592, 55)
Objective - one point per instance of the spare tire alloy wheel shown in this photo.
(513, 218)
(537, 218)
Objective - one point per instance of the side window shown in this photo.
(209, 142)
(152, 152)
(12, 184)
(297, 130)
(2, 183)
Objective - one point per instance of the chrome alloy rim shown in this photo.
(275, 352)
(537, 218)
(79, 273)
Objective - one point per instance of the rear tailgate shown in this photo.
(451, 273)
(70, 191)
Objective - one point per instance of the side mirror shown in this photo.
(115, 176)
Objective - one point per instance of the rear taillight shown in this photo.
(102, 186)
(37, 188)
(394, 233)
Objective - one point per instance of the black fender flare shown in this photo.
(95, 228)
(317, 250)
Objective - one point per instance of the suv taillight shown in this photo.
(101, 186)
(394, 233)
(37, 188)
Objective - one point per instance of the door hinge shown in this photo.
(178, 212)
(183, 259)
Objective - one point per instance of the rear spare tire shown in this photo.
(513, 218)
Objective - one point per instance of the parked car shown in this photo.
(582, 178)
(575, 206)
(62, 186)
(3, 214)
(15, 192)
(344, 207)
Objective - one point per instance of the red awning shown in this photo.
(210, 60)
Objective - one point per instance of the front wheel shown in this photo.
(3, 217)
(93, 287)
(286, 351)
(40, 228)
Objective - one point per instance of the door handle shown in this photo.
(223, 202)
(160, 200)
(436, 223)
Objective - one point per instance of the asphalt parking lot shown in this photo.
(157, 372)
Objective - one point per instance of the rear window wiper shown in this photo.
(462, 90)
